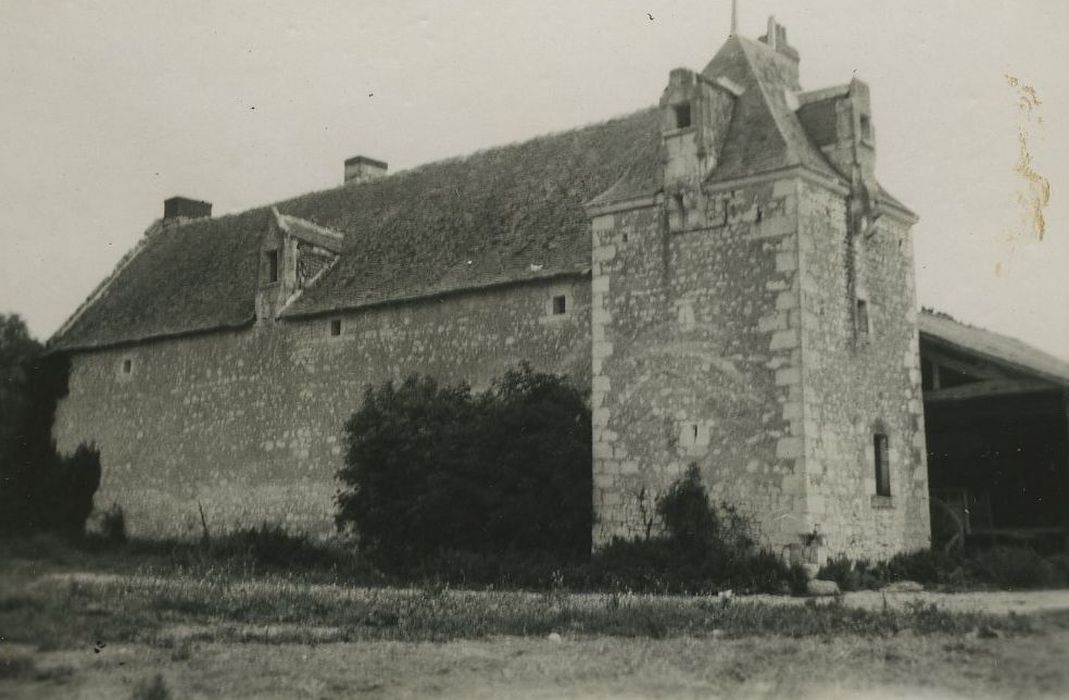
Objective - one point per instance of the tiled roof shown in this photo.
(993, 346)
(506, 214)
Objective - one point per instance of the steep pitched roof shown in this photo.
(504, 214)
(183, 279)
(765, 134)
(993, 346)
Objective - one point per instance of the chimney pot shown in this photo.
(360, 169)
(185, 208)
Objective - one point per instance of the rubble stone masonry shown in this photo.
(725, 336)
(249, 424)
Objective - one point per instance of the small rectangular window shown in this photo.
(682, 115)
(862, 317)
(881, 459)
(272, 266)
(560, 305)
(335, 327)
(127, 366)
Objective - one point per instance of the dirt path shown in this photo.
(901, 666)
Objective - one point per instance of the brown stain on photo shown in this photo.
(1035, 197)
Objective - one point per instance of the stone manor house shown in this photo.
(722, 270)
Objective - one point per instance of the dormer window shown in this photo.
(272, 266)
(682, 112)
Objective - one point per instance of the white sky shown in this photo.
(109, 107)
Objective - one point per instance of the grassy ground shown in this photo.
(102, 625)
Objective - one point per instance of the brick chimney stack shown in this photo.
(184, 208)
(360, 169)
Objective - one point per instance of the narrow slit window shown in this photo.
(272, 266)
(681, 210)
(862, 317)
(560, 305)
(682, 115)
(866, 127)
(127, 366)
(882, 462)
(335, 327)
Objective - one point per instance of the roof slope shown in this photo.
(506, 214)
(499, 215)
(765, 134)
(194, 277)
(503, 214)
(993, 346)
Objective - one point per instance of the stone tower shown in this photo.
(757, 317)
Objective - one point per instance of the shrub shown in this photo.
(433, 469)
(40, 490)
(687, 515)
(113, 525)
(154, 688)
(1011, 567)
(702, 550)
(852, 575)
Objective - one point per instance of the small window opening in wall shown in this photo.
(335, 327)
(560, 305)
(681, 209)
(694, 432)
(624, 238)
(866, 127)
(881, 459)
(127, 366)
(760, 215)
(272, 266)
(682, 115)
(862, 317)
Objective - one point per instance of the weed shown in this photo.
(154, 688)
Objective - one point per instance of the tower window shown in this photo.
(335, 327)
(682, 115)
(127, 366)
(862, 318)
(560, 305)
(882, 462)
(681, 210)
(272, 266)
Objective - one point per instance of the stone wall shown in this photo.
(696, 358)
(858, 381)
(732, 344)
(248, 424)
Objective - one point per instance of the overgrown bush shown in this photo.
(1002, 567)
(432, 469)
(702, 550)
(40, 490)
(1013, 567)
(113, 525)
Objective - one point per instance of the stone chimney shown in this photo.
(785, 57)
(178, 209)
(360, 169)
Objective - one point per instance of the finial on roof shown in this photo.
(734, 17)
